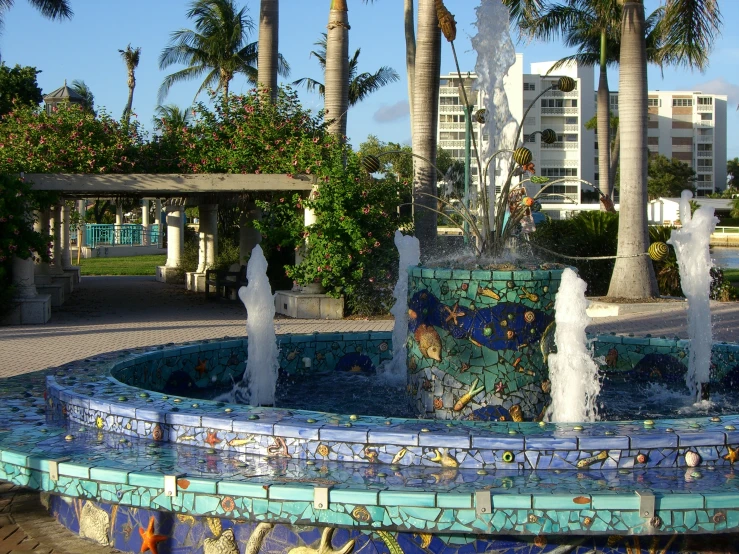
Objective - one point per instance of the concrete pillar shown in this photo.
(41, 225)
(81, 231)
(56, 232)
(118, 214)
(175, 235)
(159, 222)
(145, 225)
(208, 235)
(249, 237)
(23, 280)
(66, 249)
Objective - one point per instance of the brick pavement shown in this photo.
(113, 313)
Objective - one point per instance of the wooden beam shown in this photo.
(166, 184)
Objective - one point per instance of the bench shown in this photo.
(224, 279)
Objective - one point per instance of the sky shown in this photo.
(86, 48)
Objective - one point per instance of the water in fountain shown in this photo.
(262, 362)
(409, 251)
(572, 371)
(495, 56)
(691, 243)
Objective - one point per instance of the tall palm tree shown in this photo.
(51, 9)
(171, 117)
(427, 70)
(336, 92)
(81, 88)
(216, 49)
(269, 24)
(410, 51)
(131, 57)
(689, 28)
(360, 86)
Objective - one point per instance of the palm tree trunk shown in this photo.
(269, 23)
(337, 68)
(425, 116)
(615, 154)
(410, 52)
(129, 105)
(633, 273)
(604, 128)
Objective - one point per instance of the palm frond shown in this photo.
(688, 29)
(52, 9)
(186, 74)
(311, 85)
(367, 83)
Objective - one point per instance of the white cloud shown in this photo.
(394, 112)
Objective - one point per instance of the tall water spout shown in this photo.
(495, 56)
(691, 243)
(409, 251)
(262, 363)
(572, 371)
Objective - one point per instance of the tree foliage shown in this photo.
(18, 87)
(668, 177)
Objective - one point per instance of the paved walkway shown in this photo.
(113, 313)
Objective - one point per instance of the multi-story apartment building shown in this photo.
(689, 126)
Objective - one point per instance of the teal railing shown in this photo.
(115, 235)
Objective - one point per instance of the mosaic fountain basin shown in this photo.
(114, 445)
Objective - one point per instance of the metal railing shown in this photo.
(128, 235)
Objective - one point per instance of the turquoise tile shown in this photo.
(443, 273)
(109, 475)
(205, 504)
(291, 492)
(501, 501)
(614, 502)
(140, 479)
(197, 485)
(74, 470)
(453, 500)
(560, 501)
(397, 498)
(14, 458)
(721, 500)
(680, 502)
(365, 498)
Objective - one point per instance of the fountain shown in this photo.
(129, 451)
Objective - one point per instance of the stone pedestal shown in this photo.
(195, 281)
(75, 272)
(30, 308)
(302, 305)
(207, 247)
(169, 275)
(55, 291)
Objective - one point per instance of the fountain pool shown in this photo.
(126, 464)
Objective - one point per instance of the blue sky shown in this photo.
(86, 48)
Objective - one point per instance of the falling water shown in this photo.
(409, 250)
(495, 56)
(572, 371)
(691, 243)
(262, 363)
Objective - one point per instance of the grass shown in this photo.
(731, 275)
(729, 222)
(130, 265)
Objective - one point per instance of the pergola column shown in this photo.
(66, 257)
(175, 235)
(145, 222)
(158, 221)
(30, 307)
(56, 237)
(41, 225)
(249, 237)
(81, 229)
(207, 246)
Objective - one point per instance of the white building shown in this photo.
(690, 127)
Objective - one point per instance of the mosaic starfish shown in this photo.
(202, 367)
(733, 455)
(212, 439)
(149, 540)
(454, 312)
(499, 387)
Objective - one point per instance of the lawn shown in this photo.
(732, 275)
(131, 265)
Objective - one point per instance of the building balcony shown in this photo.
(451, 143)
(456, 126)
(562, 146)
(447, 108)
(704, 139)
(704, 108)
(700, 154)
(559, 94)
(560, 111)
(704, 123)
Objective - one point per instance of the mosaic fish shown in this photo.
(429, 342)
(425, 539)
(446, 460)
(399, 456)
(504, 326)
(464, 400)
(241, 442)
(186, 438)
(528, 295)
(586, 462)
(391, 542)
(490, 293)
(516, 413)
(546, 343)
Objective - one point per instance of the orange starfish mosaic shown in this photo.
(149, 539)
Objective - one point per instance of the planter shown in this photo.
(479, 342)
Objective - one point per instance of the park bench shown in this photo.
(226, 279)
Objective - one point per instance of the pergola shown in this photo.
(176, 191)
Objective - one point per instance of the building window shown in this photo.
(654, 141)
(571, 138)
(653, 102)
(486, 137)
(706, 132)
(682, 102)
(570, 121)
(529, 86)
(614, 102)
(706, 117)
(529, 138)
(705, 101)
(559, 172)
(705, 163)
(705, 148)
(552, 103)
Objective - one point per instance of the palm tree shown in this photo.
(81, 88)
(336, 91)
(51, 9)
(131, 56)
(410, 52)
(269, 23)
(216, 49)
(360, 86)
(171, 117)
(689, 28)
(427, 69)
